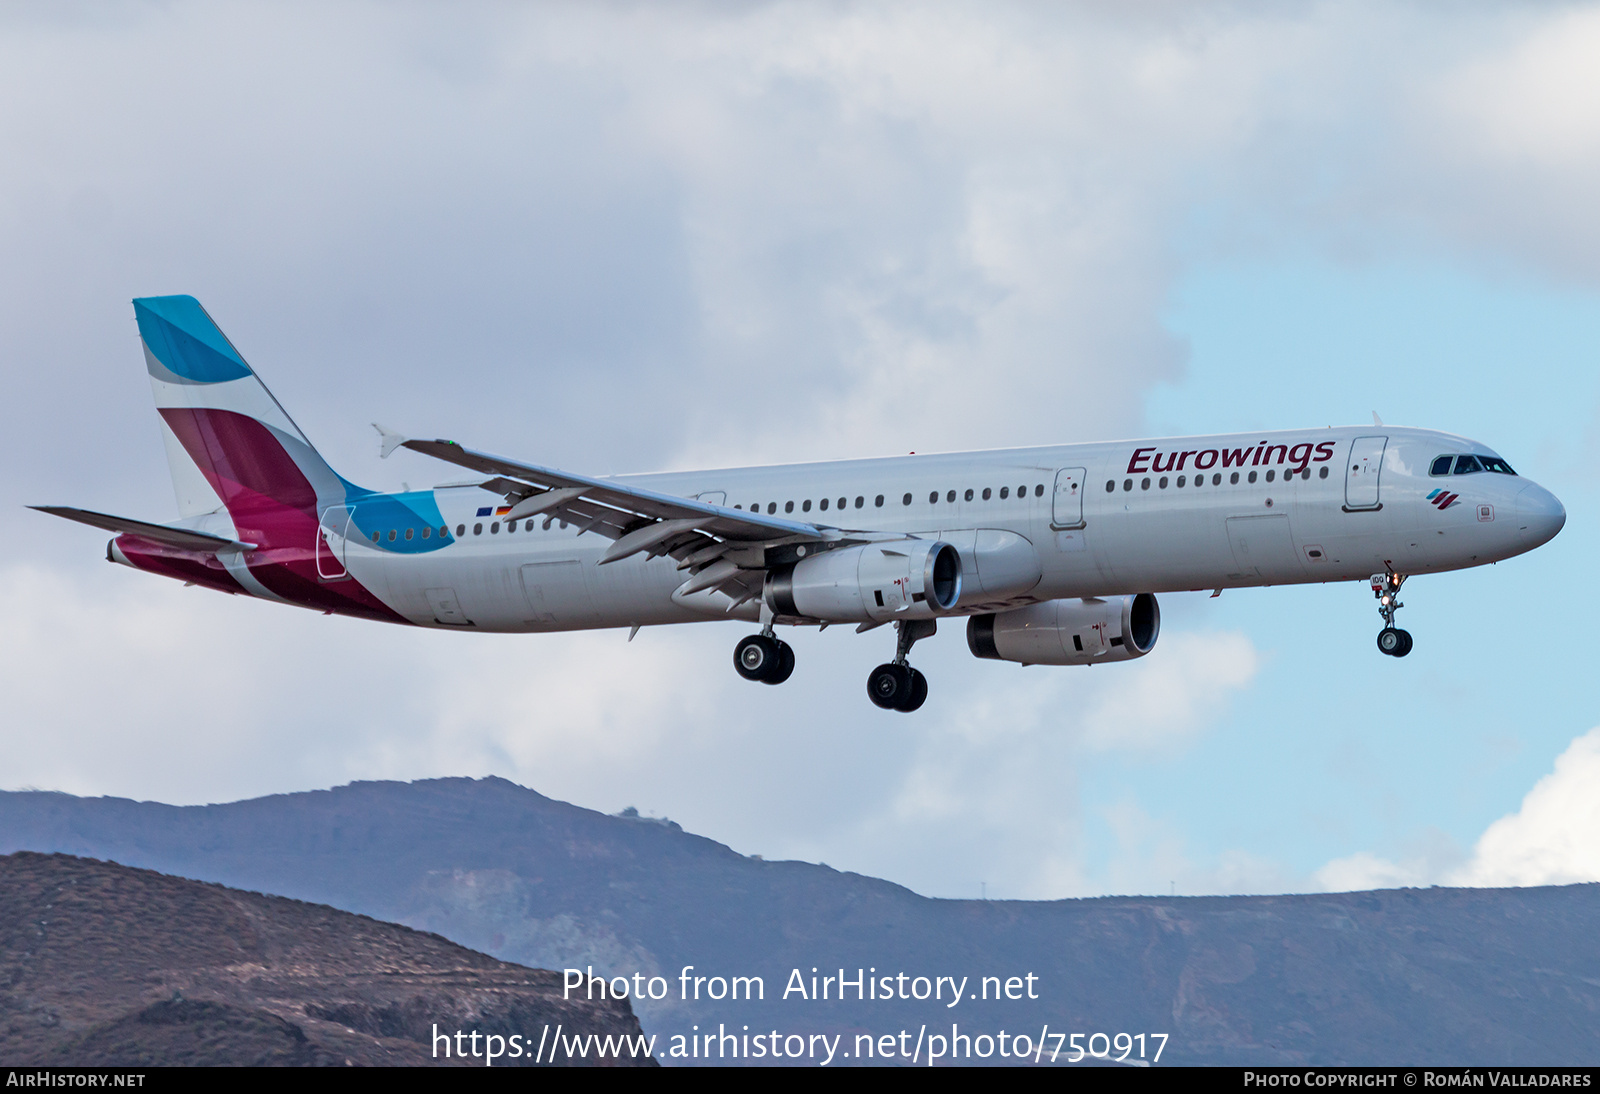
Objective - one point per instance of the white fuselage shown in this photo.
(1100, 520)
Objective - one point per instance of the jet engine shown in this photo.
(875, 582)
(1068, 632)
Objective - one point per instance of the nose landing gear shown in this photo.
(1391, 640)
(896, 685)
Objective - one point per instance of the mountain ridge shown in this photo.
(1390, 976)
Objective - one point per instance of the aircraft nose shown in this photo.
(1539, 515)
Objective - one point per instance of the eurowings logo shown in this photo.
(1444, 499)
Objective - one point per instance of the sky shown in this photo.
(622, 237)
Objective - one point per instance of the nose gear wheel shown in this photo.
(1391, 640)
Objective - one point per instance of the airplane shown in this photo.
(1051, 555)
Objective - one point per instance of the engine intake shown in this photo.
(875, 582)
(1069, 632)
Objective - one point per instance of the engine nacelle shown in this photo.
(1069, 632)
(876, 582)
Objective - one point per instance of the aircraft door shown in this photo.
(331, 533)
(1361, 480)
(1068, 507)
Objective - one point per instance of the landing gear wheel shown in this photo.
(1391, 640)
(919, 693)
(784, 668)
(889, 686)
(758, 657)
(764, 659)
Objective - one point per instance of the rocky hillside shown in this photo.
(1399, 976)
(105, 965)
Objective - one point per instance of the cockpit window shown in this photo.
(1468, 465)
(1497, 465)
(1441, 466)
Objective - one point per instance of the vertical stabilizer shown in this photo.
(229, 442)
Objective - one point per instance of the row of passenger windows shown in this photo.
(1216, 480)
(986, 494)
(772, 507)
(1470, 465)
(933, 499)
(427, 533)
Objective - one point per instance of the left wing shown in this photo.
(725, 549)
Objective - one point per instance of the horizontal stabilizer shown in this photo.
(185, 539)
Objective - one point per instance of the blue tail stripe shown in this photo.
(185, 340)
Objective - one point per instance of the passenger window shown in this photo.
(410, 532)
(788, 507)
(461, 530)
(1163, 482)
(772, 507)
(1144, 484)
(986, 493)
(842, 501)
(968, 495)
(375, 537)
(511, 526)
(1111, 485)
(1127, 484)
(860, 501)
(1441, 466)
(391, 535)
(494, 528)
(950, 497)
(906, 500)
(1233, 479)
(427, 532)
(1216, 480)
(1467, 465)
(477, 529)
(1252, 476)
(1022, 491)
(1323, 472)
(1005, 492)
(933, 496)
(1038, 491)
(1270, 475)
(1182, 481)
(823, 506)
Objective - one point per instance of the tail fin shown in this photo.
(229, 442)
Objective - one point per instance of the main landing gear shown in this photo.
(1391, 640)
(764, 657)
(898, 686)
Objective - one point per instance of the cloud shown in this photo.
(1005, 759)
(1553, 839)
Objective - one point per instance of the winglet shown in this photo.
(1377, 421)
(388, 440)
